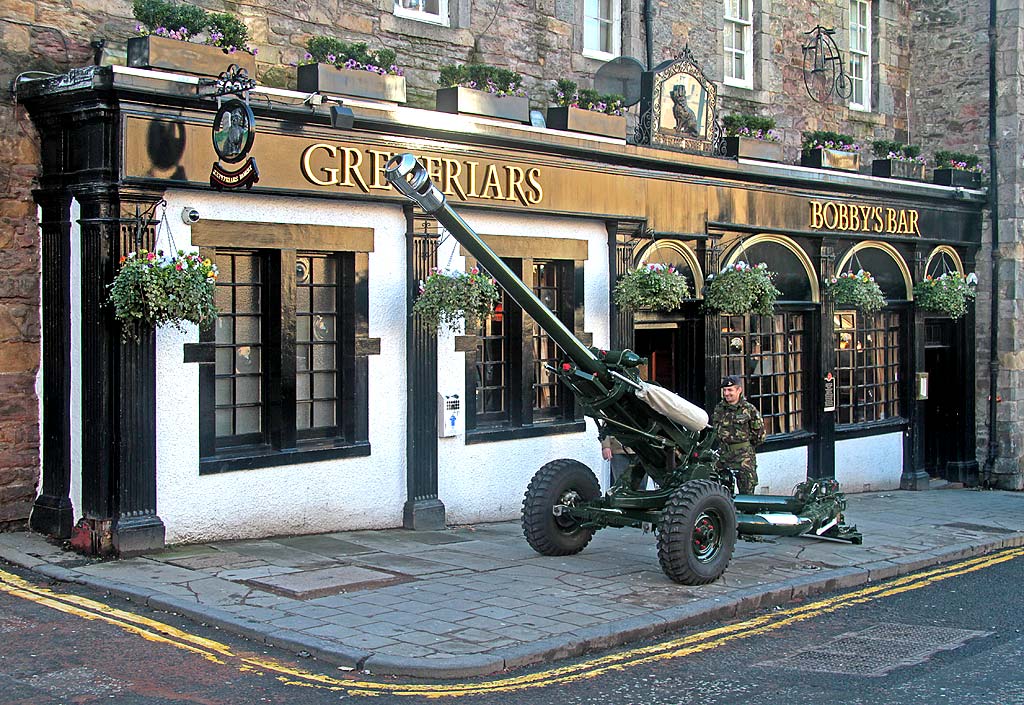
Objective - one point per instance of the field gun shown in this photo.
(692, 508)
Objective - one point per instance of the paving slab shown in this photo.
(472, 600)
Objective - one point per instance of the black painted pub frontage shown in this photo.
(316, 379)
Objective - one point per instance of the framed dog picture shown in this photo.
(678, 107)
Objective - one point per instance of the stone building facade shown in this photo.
(928, 81)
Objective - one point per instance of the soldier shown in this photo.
(740, 429)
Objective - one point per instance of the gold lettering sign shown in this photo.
(854, 218)
(325, 164)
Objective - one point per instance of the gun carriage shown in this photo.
(692, 508)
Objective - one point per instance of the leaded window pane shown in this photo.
(316, 388)
(238, 365)
(867, 366)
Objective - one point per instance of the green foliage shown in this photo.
(482, 77)
(151, 290)
(949, 293)
(329, 50)
(890, 149)
(567, 94)
(446, 298)
(653, 286)
(757, 127)
(957, 160)
(829, 140)
(740, 289)
(190, 23)
(227, 31)
(160, 13)
(859, 290)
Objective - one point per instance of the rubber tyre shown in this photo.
(697, 533)
(547, 534)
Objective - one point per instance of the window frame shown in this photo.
(280, 441)
(615, 22)
(864, 53)
(749, 361)
(442, 17)
(521, 418)
(892, 323)
(748, 45)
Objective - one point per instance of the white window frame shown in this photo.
(615, 22)
(412, 9)
(861, 53)
(746, 51)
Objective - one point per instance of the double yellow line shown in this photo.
(216, 652)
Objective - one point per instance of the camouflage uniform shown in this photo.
(740, 429)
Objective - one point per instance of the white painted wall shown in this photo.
(486, 481)
(870, 463)
(779, 471)
(329, 495)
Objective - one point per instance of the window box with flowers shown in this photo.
(948, 293)
(585, 110)
(334, 67)
(187, 39)
(856, 290)
(446, 299)
(653, 286)
(823, 149)
(152, 289)
(957, 169)
(751, 137)
(897, 160)
(741, 288)
(480, 89)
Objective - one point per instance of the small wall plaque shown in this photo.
(830, 393)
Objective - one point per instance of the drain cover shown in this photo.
(876, 650)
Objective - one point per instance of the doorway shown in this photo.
(675, 353)
(942, 416)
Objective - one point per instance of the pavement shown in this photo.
(474, 600)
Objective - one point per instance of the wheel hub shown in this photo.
(707, 536)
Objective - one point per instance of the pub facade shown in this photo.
(312, 404)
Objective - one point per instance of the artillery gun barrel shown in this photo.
(410, 178)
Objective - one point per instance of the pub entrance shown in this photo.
(943, 411)
(674, 347)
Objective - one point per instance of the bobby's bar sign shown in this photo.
(324, 164)
(854, 218)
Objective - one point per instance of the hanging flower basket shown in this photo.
(849, 290)
(948, 294)
(448, 298)
(740, 289)
(654, 286)
(152, 289)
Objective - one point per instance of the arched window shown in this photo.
(868, 346)
(772, 353)
(943, 259)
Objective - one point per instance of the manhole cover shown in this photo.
(876, 650)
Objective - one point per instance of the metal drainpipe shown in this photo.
(993, 196)
(648, 37)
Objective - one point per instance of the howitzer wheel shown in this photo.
(560, 482)
(697, 533)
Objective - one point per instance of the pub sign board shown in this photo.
(678, 107)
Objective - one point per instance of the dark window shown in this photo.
(285, 377)
(316, 344)
(507, 381)
(239, 347)
(771, 354)
(867, 366)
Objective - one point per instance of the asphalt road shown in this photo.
(951, 634)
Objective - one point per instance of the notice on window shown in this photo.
(830, 392)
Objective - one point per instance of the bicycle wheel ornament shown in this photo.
(824, 69)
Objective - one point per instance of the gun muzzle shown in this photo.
(411, 179)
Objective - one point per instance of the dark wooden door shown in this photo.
(943, 410)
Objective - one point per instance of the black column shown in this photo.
(620, 261)
(52, 513)
(965, 468)
(822, 459)
(710, 255)
(423, 510)
(915, 477)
